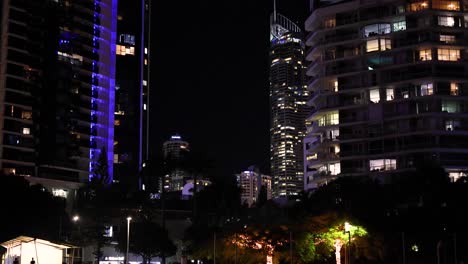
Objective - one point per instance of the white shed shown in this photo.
(26, 248)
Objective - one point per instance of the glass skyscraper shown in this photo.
(288, 98)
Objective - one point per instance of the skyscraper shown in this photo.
(288, 97)
(389, 88)
(175, 150)
(132, 92)
(57, 87)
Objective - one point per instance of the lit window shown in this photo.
(116, 158)
(454, 176)
(59, 193)
(124, 50)
(376, 29)
(146, 50)
(453, 88)
(385, 44)
(446, 21)
(390, 94)
(427, 89)
(372, 45)
(108, 231)
(335, 86)
(144, 106)
(127, 39)
(330, 23)
(399, 26)
(451, 125)
(425, 54)
(450, 106)
(329, 119)
(334, 118)
(446, 5)
(26, 115)
(417, 6)
(374, 95)
(378, 44)
(145, 82)
(448, 54)
(448, 39)
(26, 131)
(382, 164)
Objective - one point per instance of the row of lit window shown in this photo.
(125, 50)
(442, 54)
(436, 4)
(424, 90)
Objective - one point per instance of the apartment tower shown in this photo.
(388, 88)
(57, 78)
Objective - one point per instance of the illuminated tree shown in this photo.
(326, 236)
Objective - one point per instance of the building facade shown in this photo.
(57, 81)
(131, 93)
(288, 98)
(388, 88)
(251, 183)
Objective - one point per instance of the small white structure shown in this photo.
(26, 248)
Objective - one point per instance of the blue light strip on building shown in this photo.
(103, 85)
(94, 90)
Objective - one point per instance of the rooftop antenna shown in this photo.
(274, 11)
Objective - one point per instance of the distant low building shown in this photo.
(251, 182)
(188, 189)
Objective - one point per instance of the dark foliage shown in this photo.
(30, 210)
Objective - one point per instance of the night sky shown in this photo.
(210, 77)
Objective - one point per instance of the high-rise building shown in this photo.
(174, 151)
(57, 70)
(131, 92)
(288, 98)
(251, 183)
(389, 88)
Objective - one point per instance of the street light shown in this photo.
(347, 228)
(128, 238)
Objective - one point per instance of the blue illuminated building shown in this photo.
(57, 88)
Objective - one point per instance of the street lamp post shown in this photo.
(348, 247)
(128, 238)
(75, 220)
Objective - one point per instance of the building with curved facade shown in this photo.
(57, 80)
(175, 151)
(288, 98)
(388, 88)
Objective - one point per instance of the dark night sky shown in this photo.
(210, 77)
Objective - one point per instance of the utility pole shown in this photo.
(290, 247)
(455, 248)
(403, 247)
(235, 259)
(163, 216)
(214, 247)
